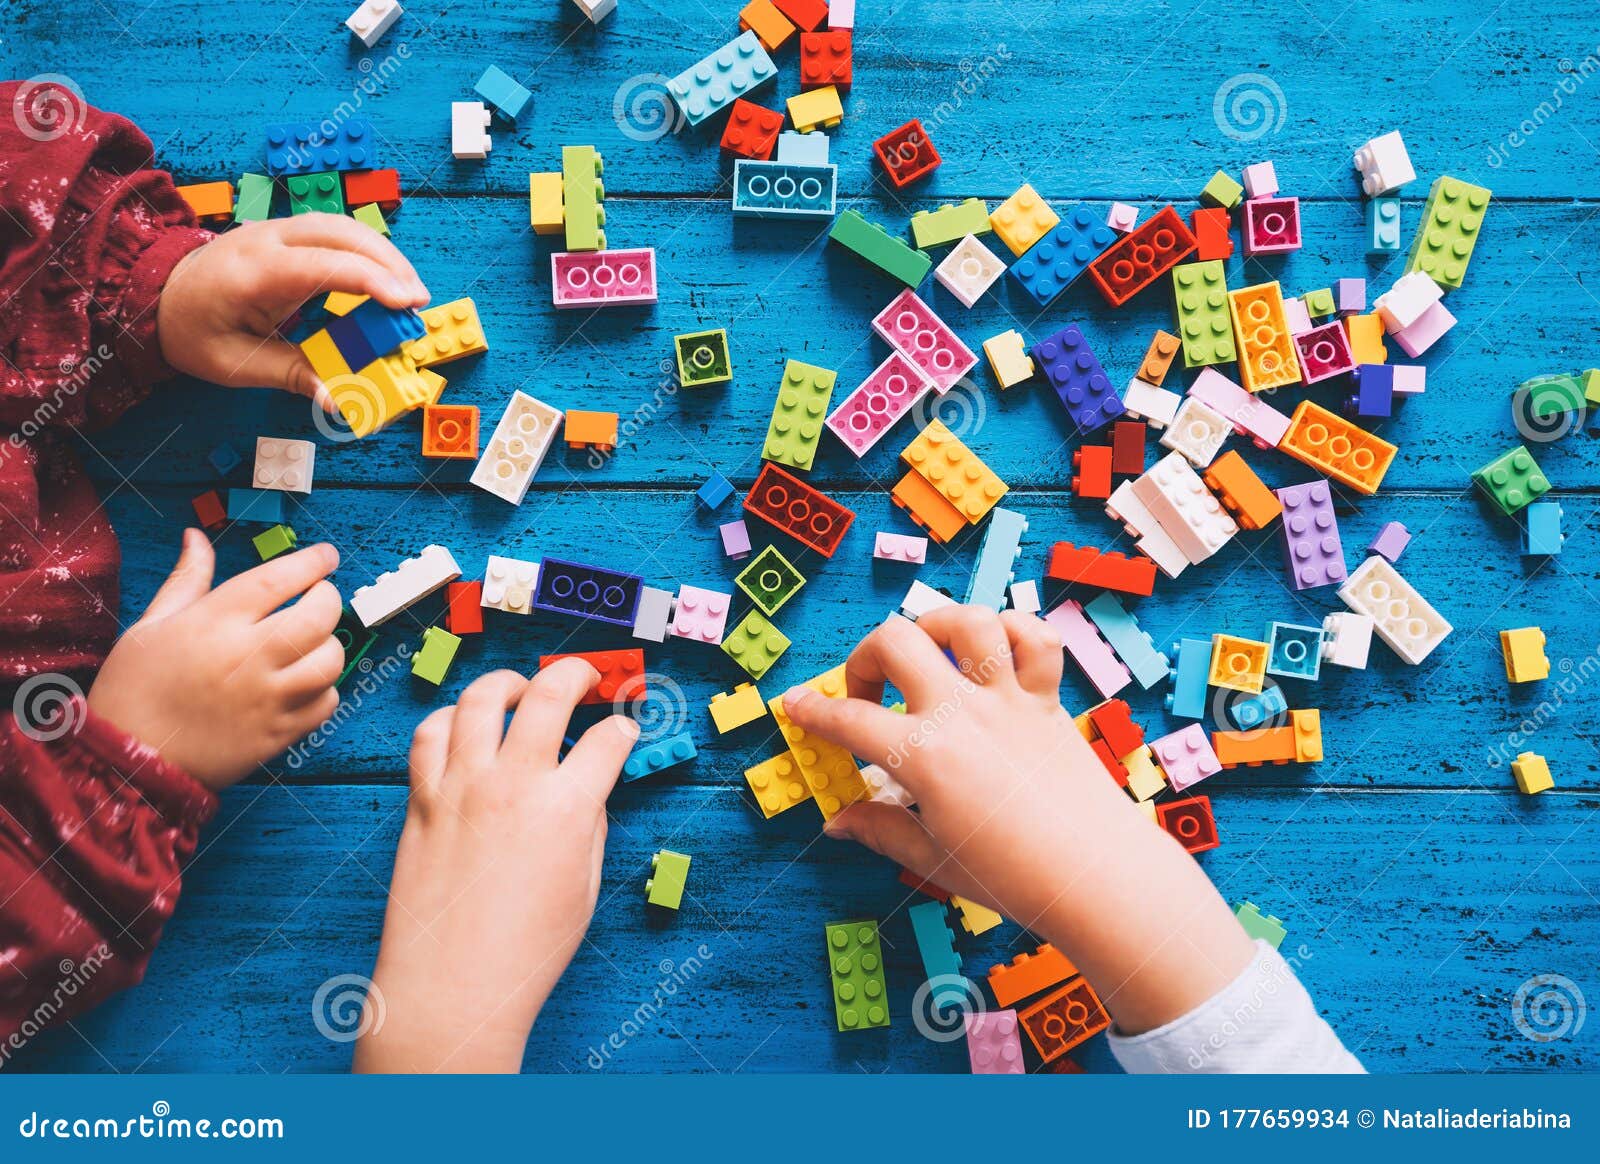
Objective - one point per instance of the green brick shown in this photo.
(1547, 396)
(279, 539)
(1319, 303)
(855, 964)
(770, 580)
(438, 651)
(798, 413)
(1200, 300)
(703, 358)
(932, 228)
(356, 640)
(755, 644)
(1512, 480)
(309, 192)
(582, 195)
(371, 216)
(254, 200)
(1451, 221)
(668, 873)
(1222, 191)
(874, 244)
(1269, 929)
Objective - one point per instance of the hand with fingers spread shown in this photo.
(222, 303)
(218, 681)
(1015, 810)
(496, 874)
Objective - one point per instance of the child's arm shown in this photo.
(496, 874)
(1016, 811)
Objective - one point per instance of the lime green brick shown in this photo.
(1267, 928)
(583, 198)
(770, 580)
(1451, 221)
(703, 358)
(279, 539)
(797, 415)
(254, 201)
(1200, 302)
(755, 644)
(1512, 480)
(669, 873)
(947, 224)
(878, 247)
(1222, 191)
(1591, 386)
(438, 651)
(1319, 303)
(371, 216)
(855, 964)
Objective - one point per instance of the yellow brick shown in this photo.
(1008, 358)
(955, 471)
(1268, 357)
(433, 385)
(323, 353)
(744, 706)
(1237, 664)
(816, 108)
(1023, 219)
(1144, 778)
(1532, 773)
(777, 784)
(975, 918)
(1307, 724)
(1523, 649)
(453, 332)
(1366, 339)
(379, 393)
(829, 770)
(342, 302)
(544, 204)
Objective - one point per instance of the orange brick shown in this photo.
(1029, 974)
(1158, 358)
(771, 27)
(596, 430)
(1237, 486)
(926, 506)
(450, 431)
(1070, 1016)
(210, 201)
(1254, 748)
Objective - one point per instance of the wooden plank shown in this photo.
(1414, 918)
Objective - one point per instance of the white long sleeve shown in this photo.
(1263, 1022)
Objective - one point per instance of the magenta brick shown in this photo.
(911, 328)
(1324, 352)
(884, 397)
(1271, 226)
(603, 278)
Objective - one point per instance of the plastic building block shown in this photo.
(1138, 259)
(913, 329)
(1427, 331)
(370, 216)
(784, 190)
(621, 674)
(588, 592)
(936, 944)
(209, 510)
(1532, 773)
(1081, 384)
(369, 22)
(921, 598)
(1200, 293)
(383, 329)
(1159, 355)
(284, 464)
(1222, 191)
(698, 614)
(546, 214)
(1374, 391)
(654, 615)
(596, 10)
(956, 473)
(805, 514)
(1062, 254)
(1383, 164)
(1366, 340)
(842, 13)
(453, 331)
(1025, 218)
(1319, 303)
(1266, 928)
(431, 662)
(1271, 226)
(893, 547)
(995, 568)
(1525, 659)
(508, 584)
(1260, 180)
(1451, 220)
(735, 540)
(1512, 480)
(1190, 823)
(463, 612)
(603, 278)
(1402, 617)
(776, 783)
(516, 448)
(772, 28)
(583, 193)
(1197, 432)
(1008, 358)
(816, 109)
(744, 705)
(1109, 762)
(591, 430)
(927, 507)
(274, 540)
(882, 398)
(994, 1046)
(770, 580)
(809, 15)
(1237, 664)
(500, 89)
(1088, 650)
(802, 149)
(1296, 316)
(1211, 237)
(373, 186)
(703, 358)
(223, 459)
(1348, 454)
(1091, 467)
(714, 494)
(1383, 226)
(1404, 303)
(356, 641)
(1350, 296)
(1147, 402)
(1241, 492)
(1127, 448)
(1541, 529)
(315, 192)
(1347, 639)
(1187, 511)
(1189, 666)
(668, 873)
(1028, 974)
(1251, 749)
(975, 918)
(1294, 652)
(1186, 757)
(907, 154)
(1591, 387)
(1153, 540)
(407, 584)
(469, 130)
(1121, 217)
(658, 755)
(1144, 778)
(855, 965)
(212, 202)
(875, 245)
(825, 58)
(828, 769)
(712, 84)
(1312, 551)
(969, 270)
(1267, 357)
(1391, 541)
(1306, 725)
(1025, 597)
(1132, 645)
(797, 415)
(1064, 1019)
(303, 147)
(1257, 711)
(1546, 396)
(1324, 352)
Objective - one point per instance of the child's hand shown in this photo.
(219, 680)
(222, 302)
(496, 874)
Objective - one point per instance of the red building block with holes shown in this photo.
(1127, 448)
(1061, 1021)
(209, 510)
(1092, 464)
(906, 154)
(825, 58)
(621, 673)
(752, 130)
(1190, 822)
(380, 186)
(463, 611)
(1116, 727)
(1111, 764)
(912, 881)
(808, 14)
(1140, 258)
(809, 516)
(1211, 237)
(1106, 569)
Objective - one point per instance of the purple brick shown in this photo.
(1075, 373)
(1324, 352)
(1312, 552)
(1186, 756)
(1374, 394)
(735, 539)
(1062, 254)
(1391, 541)
(1351, 296)
(1271, 226)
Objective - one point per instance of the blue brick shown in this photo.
(658, 755)
(995, 568)
(1541, 533)
(715, 492)
(352, 342)
(1074, 371)
(1383, 225)
(385, 328)
(263, 505)
(1132, 645)
(937, 945)
(1294, 652)
(784, 190)
(1058, 258)
(587, 592)
(1189, 663)
(311, 147)
(224, 459)
(1256, 710)
(500, 89)
(1374, 391)
(734, 70)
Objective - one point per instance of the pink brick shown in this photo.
(893, 547)
(603, 278)
(1410, 379)
(883, 398)
(912, 329)
(1251, 416)
(1260, 180)
(1088, 649)
(735, 539)
(1324, 352)
(1186, 757)
(994, 1043)
(1271, 226)
(701, 614)
(1424, 333)
(1296, 315)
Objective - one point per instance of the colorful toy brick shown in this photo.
(1121, 217)
(975, 918)
(797, 415)
(356, 641)
(1200, 293)
(366, 187)
(588, 592)
(969, 270)
(1405, 302)
(1008, 358)
(274, 540)
(842, 13)
(1197, 432)
(1147, 402)
(1080, 383)
(591, 430)
(1266, 929)
(453, 332)
(1251, 749)
(1541, 529)
(1350, 296)
(994, 1044)
(1088, 650)
(771, 26)
(712, 84)
(1186, 510)
(1296, 316)
(1267, 356)
(743, 706)
(499, 89)
(698, 614)
(1091, 467)
(906, 154)
(1258, 711)
(1186, 757)
(1211, 238)
(209, 510)
(855, 965)
(920, 599)
(212, 202)
(371, 216)
(508, 584)
(1024, 596)
(1066, 1018)
(450, 431)
(1133, 646)
(284, 464)
(654, 615)
(995, 567)
(1237, 664)
(755, 644)
(1429, 329)
(816, 109)
(1347, 639)
(621, 676)
(1525, 659)
(875, 245)
(958, 475)
(1190, 823)
(893, 547)
(752, 131)
(805, 514)
(770, 580)
(1062, 254)
(304, 147)
(1451, 220)
(516, 448)
(714, 494)
(1028, 974)
(1532, 773)
(1306, 724)
(1127, 448)
(1145, 780)
(1138, 259)
(927, 507)
(808, 15)
(1319, 303)
(583, 195)
(1260, 180)
(1159, 355)
(431, 661)
(254, 202)
(1324, 352)
(1402, 617)
(913, 329)
(546, 214)
(1383, 226)
(463, 611)
(669, 872)
(1271, 226)
(1023, 219)
(784, 190)
(802, 149)
(828, 769)
(934, 228)
(469, 130)
(703, 358)
(1345, 452)
(603, 278)
(735, 540)
(882, 398)
(1512, 480)
(1383, 164)
(309, 193)
(1294, 652)
(1110, 763)
(372, 19)
(1153, 540)
(1312, 552)
(777, 784)
(1391, 541)
(1189, 667)
(407, 584)
(1543, 397)
(1365, 333)
(1373, 397)
(1241, 492)
(1222, 191)
(940, 962)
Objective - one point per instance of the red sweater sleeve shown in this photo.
(88, 235)
(94, 829)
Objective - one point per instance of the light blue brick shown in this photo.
(735, 70)
(263, 505)
(1383, 226)
(802, 149)
(1254, 711)
(996, 566)
(1294, 652)
(715, 492)
(1541, 533)
(658, 755)
(1189, 663)
(1147, 665)
(500, 89)
(784, 190)
(936, 944)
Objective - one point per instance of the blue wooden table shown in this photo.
(1419, 888)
